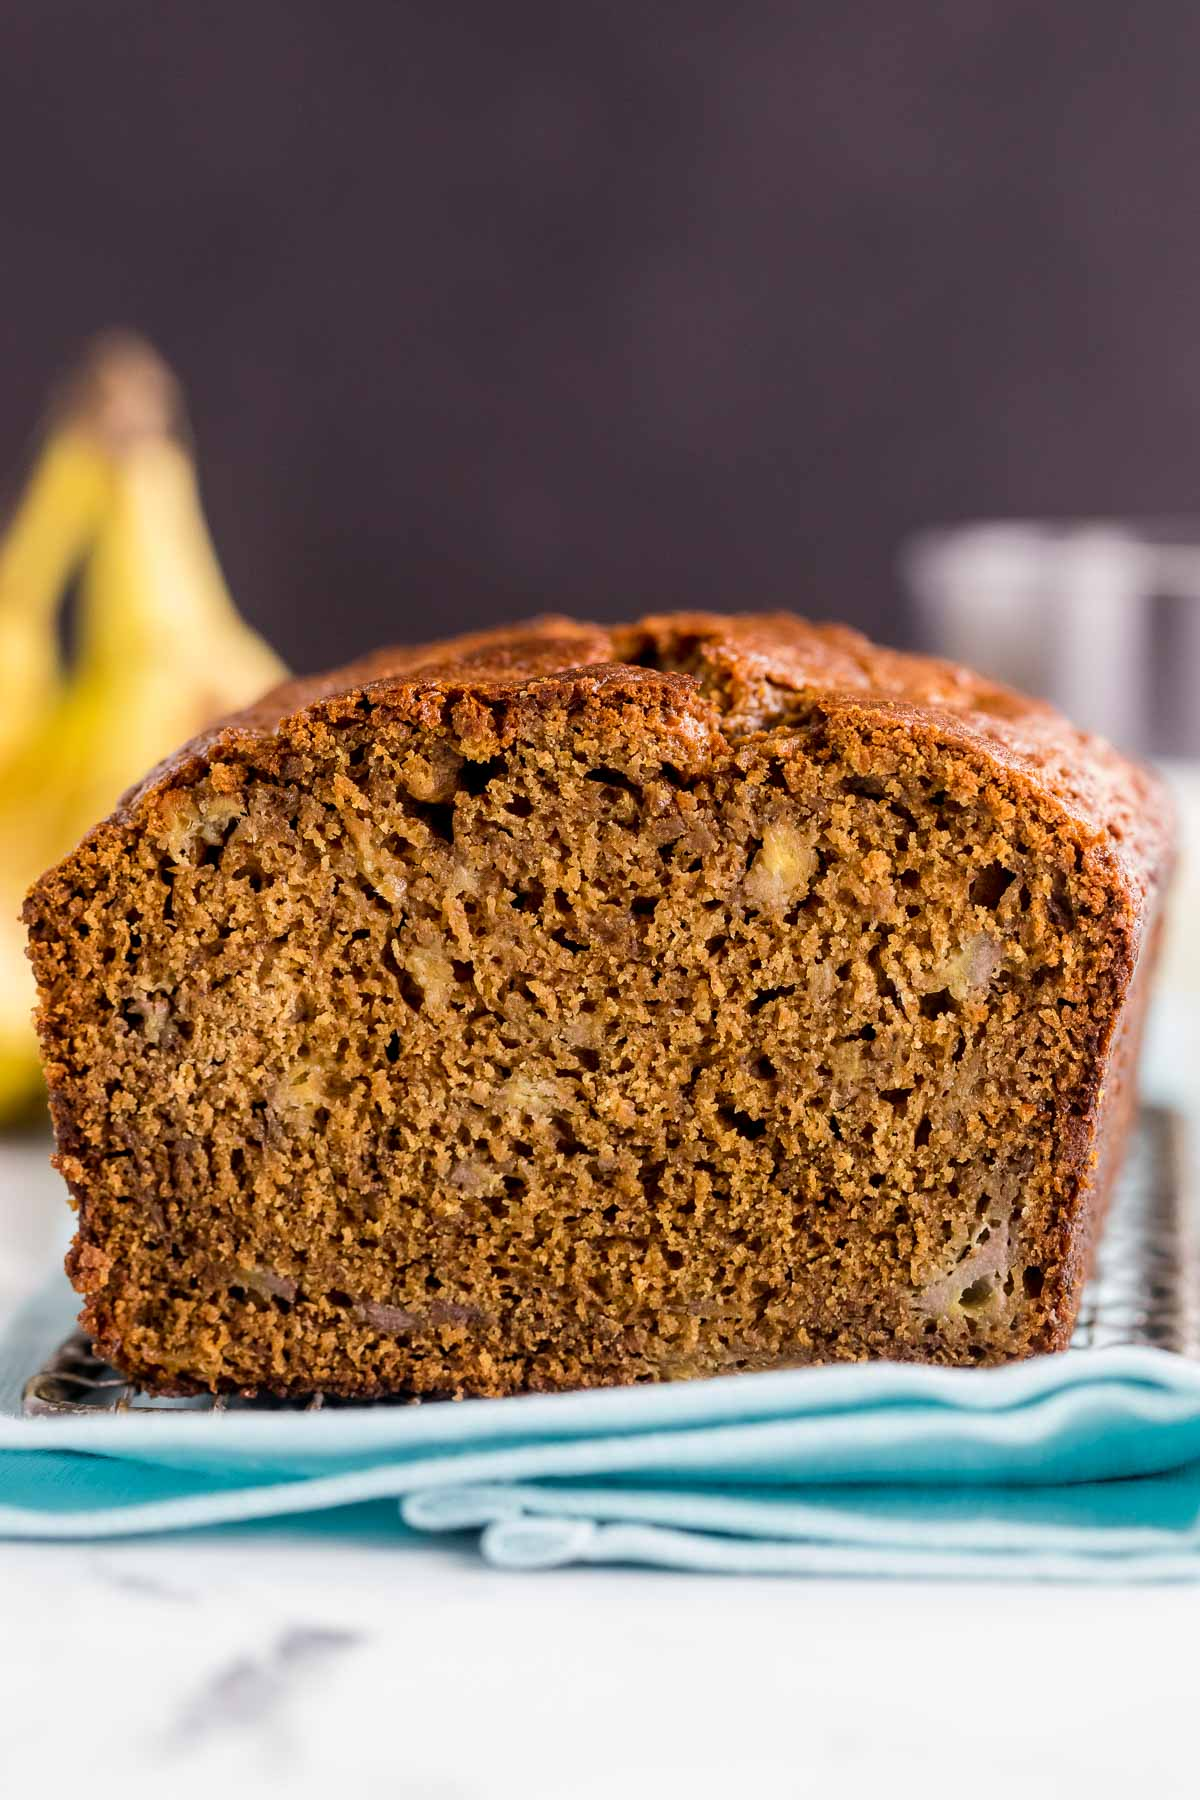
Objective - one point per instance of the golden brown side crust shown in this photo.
(781, 753)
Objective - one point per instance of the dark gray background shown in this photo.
(486, 308)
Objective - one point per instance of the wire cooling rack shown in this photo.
(1145, 1290)
(1146, 1285)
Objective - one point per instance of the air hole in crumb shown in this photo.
(922, 1134)
(411, 991)
(1059, 909)
(936, 1005)
(909, 878)
(977, 1295)
(1033, 1281)
(440, 819)
(520, 806)
(644, 907)
(991, 884)
(896, 1098)
(474, 777)
(613, 778)
(767, 995)
(742, 1123)
(765, 1069)
(392, 1048)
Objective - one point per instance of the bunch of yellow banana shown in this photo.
(111, 499)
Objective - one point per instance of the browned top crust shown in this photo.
(756, 672)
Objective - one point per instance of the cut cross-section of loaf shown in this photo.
(564, 1006)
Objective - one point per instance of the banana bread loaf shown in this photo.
(561, 1006)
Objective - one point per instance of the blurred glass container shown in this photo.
(1102, 617)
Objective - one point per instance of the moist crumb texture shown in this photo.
(560, 1007)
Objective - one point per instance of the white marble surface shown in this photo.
(289, 1660)
(276, 1664)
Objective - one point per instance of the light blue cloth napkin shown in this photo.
(1084, 1467)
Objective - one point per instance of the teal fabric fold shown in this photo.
(1083, 1467)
